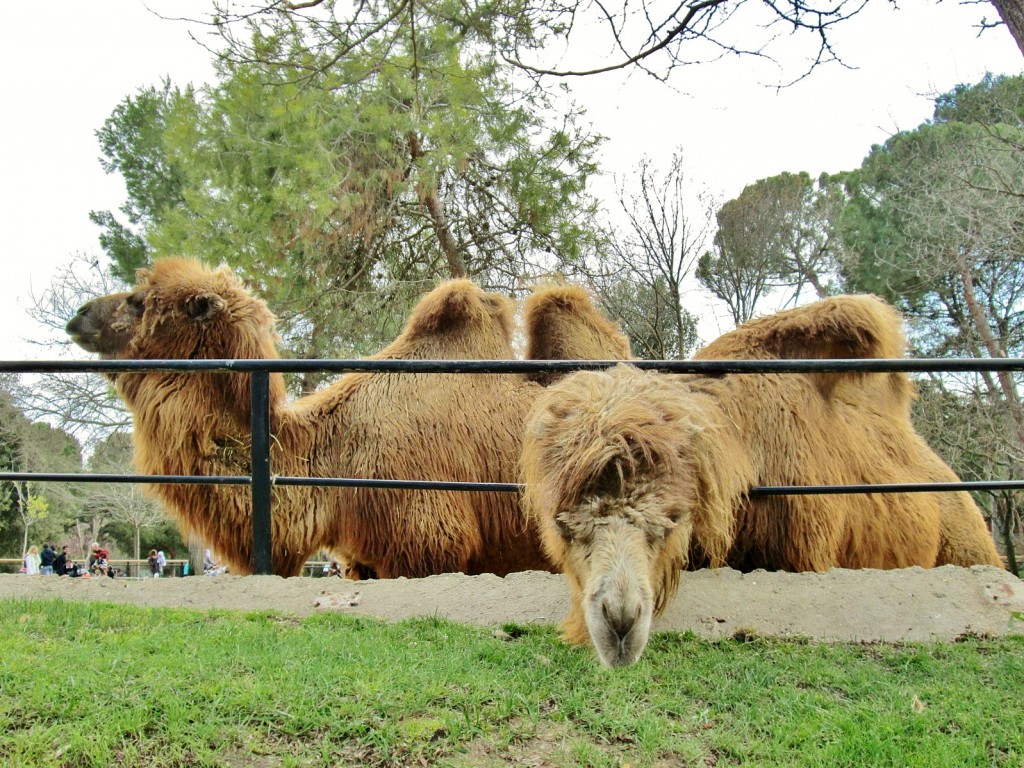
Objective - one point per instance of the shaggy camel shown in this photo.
(632, 476)
(405, 426)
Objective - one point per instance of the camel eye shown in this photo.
(136, 303)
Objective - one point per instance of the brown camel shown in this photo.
(632, 476)
(459, 427)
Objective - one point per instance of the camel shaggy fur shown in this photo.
(561, 324)
(632, 476)
(405, 426)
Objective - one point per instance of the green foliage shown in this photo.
(775, 234)
(132, 140)
(44, 508)
(174, 687)
(938, 206)
(342, 183)
(12, 427)
(995, 100)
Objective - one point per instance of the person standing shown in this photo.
(46, 558)
(161, 562)
(154, 564)
(32, 561)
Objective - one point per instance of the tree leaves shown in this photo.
(342, 170)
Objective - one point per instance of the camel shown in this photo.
(632, 476)
(459, 427)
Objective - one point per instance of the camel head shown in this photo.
(611, 488)
(104, 326)
(180, 309)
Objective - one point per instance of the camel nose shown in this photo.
(621, 617)
(74, 325)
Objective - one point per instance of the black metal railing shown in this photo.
(262, 479)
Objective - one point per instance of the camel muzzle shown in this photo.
(618, 616)
(78, 328)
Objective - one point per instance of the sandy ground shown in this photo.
(903, 605)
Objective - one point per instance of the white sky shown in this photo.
(66, 64)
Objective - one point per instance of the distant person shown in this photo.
(99, 561)
(61, 562)
(161, 562)
(46, 558)
(94, 555)
(31, 565)
(210, 567)
(154, 564)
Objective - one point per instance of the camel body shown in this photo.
(632, 476)
(460, 427)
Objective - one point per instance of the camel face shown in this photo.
(615, 546)
(178, 310)
(612, 493)
(105, 326)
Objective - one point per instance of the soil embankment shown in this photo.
(913, 604)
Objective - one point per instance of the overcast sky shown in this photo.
(65, 65)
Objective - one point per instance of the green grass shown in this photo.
(102, 685)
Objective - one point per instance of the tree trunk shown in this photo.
(195, 555)
(815, 281)
(438, 220)
(988, 339)
(1012, 14)
(136, 542)
(23, 511)
(1005, 508)
(83, 538)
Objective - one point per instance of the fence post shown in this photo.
(260, 426)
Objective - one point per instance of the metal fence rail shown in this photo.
(262, 479)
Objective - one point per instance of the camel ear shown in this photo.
(204, 306)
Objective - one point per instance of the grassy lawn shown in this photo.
(102, 685)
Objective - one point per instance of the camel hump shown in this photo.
(562, 323)
(839, 327)
(456, 320)
(861, 326)
(595, 434)
(454, 304)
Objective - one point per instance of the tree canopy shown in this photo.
(33, 512)
(342, 185)
(559, 39)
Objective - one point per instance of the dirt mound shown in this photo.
(912, 604)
